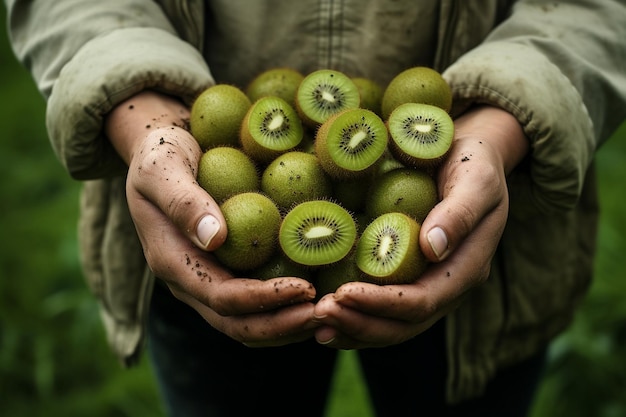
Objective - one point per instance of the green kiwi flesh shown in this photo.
(323, 93)
(317, 232)
(350, 142)
(253, 221)
(388, 249)
(270, 127)
(420, 134)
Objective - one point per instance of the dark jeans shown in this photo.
(201, 372)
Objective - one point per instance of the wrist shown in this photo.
(140, 116)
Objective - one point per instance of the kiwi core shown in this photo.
(385, 247)
(357, 139)
(319, 232)
(275, 122)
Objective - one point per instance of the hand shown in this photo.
(178, 224)
(460, 236)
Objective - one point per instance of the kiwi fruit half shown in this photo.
(216, 115)
(253, 221)
(420, 134)
(270, 127)
(406, 190)
(388, 250)
(279, 82)
(416, 85)
(350, 142)
(294, 177)
(317, 232)
(224, 171)
(323, 93)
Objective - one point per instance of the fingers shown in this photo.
(163, 171)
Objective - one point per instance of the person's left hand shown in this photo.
(460, 236)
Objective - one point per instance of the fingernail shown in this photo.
(438, 242)
(207, 229)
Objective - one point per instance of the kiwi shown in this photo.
(317, 232)
(416, 85)
(323, 93)
(253, 221)
(349, 143)
(328, 279)
(352, 193)
(406, 190)
(371, 94)
(388, 250)
(279, 82)
(281, 266)
(224, 171)
(294, 177)
(270, 127)
(216, 116)
(420, 134)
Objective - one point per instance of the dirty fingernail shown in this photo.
(438, 242)
(207, 229)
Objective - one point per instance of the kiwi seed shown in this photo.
(420, 134)
(388, 250)
(216, 115)
(317, 232)
(253, 221)
(323, 93)
(349, 143)
(224, 171)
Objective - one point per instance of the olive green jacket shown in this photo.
(557, 66)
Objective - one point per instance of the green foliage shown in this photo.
(53, 355)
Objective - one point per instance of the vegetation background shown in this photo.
(54, 360)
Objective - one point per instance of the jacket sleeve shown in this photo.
(559, 68)
(86, 56)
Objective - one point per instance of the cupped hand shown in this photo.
(460, 236)
(179, 224)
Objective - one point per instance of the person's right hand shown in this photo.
(179, 224)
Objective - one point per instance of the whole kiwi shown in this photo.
(224, 171)
(281, 82)
(294, 177)
(253, 221)
(416, 85)
(216, 115)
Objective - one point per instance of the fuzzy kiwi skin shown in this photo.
(224, 171)
(294, 177)
(371, 94)
(346, 96)
(253, 221)
(398, 141)
(281, 266)
(216, 115)
(317, 215)
(327, 279)
(326, 144)
(416, 85)
(406, 190)
(251, 131)
(368, 257)
(279, 82)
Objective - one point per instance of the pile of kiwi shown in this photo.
(323, 175)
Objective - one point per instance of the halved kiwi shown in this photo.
(317, 232)
(388, 250)
(351, 142)
(420, 134)
(270, 127)
(253, 221)
(323, 93)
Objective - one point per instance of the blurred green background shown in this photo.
(54, 360)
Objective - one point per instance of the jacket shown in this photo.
(558, 67)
